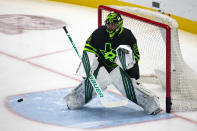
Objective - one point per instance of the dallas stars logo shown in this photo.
(109, 53)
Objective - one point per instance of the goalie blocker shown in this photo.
(129, 87)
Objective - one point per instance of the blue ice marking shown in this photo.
(49, 107)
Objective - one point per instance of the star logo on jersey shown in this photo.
(109, 53)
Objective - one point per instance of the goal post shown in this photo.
(160, 55)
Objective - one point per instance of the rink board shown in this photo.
(50, 108)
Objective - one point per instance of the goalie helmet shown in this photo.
(114, 23)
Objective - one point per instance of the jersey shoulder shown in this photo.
(127, 31)
(128, 34)
(100, 30)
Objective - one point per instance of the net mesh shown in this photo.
(151, 40)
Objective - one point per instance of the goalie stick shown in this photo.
(93, 81)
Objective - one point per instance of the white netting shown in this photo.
(151, 41)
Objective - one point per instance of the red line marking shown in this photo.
(34, 64)
(51, 53)
(187, 119)
(9, 55)
(53, 71)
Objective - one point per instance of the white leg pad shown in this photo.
(117, 80)
(76, 98)
(147, 100)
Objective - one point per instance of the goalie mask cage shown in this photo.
(161, 60)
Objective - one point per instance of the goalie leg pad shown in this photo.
(123, 83)
(135, 92)
(146, 99)
(91, 64)
(76, 98)
(84, 92)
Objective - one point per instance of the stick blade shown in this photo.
(115, 103)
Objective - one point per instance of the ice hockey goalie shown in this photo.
(112, 55)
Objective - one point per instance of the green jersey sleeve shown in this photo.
(136, 52)
(134, 47)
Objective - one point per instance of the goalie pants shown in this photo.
(133, 72)
(84, 92)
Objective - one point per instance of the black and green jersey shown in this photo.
(99, 41)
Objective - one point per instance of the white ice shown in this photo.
(36, 61)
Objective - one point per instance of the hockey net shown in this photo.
(161, 62)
